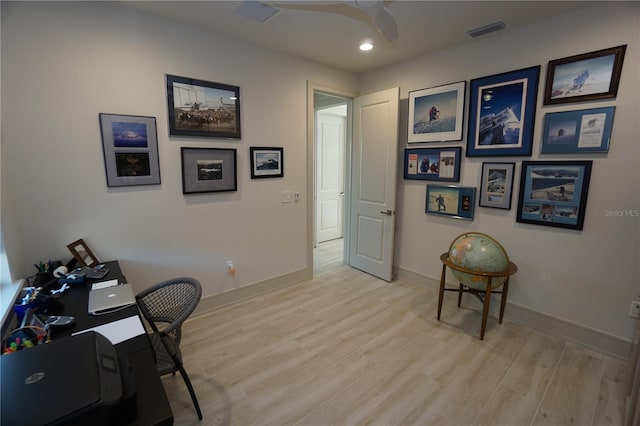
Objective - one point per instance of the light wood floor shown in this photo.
(348, 349)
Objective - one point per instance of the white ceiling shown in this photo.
(333, 39)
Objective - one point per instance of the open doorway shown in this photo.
(331, 141)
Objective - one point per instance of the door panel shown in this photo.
(375, 152)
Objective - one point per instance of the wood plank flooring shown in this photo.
(348, 349)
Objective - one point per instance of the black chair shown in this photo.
(166, 306)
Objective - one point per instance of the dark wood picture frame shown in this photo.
(502, 112)
(554, 193)
(440, 164)
(82, 253)
(578, 78)
(208, 170)
(202, 108)
(266, 162)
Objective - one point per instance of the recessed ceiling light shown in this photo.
(366, 46)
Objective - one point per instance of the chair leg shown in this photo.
(485, 308)
(442, 279)
(187, 382)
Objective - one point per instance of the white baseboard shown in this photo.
(595, 339)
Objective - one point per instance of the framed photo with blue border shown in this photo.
(554, 193)
(437, 114)
(442, 164)
(450, 200)
(580, 131)
(502, 113)
(496, 185)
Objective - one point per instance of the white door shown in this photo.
(330, 140)
(373, 183)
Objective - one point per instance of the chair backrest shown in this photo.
(168, 304)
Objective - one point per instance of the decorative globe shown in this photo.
(478, 252)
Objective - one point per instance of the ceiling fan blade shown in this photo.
(386, 24)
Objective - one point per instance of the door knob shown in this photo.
(387, 212)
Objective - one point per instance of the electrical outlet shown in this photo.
(634, 309)
(230, 267)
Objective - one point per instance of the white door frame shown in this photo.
(311, 172)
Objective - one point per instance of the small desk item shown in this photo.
(107, 299)
(483, 295)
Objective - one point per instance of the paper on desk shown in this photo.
(104, 284)
(119, 331)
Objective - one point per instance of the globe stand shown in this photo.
(483, 294)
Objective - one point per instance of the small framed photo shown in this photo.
(203, 108)
(572, 132)
(441, 164)
(586, 77)
(130, 148)
(266, 162)
(208, 170)
(82, 253)
(502, 113)
(450, 200)
(437, 114)
(496, 185)
(554, 193)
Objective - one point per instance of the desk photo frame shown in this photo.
(82, 253)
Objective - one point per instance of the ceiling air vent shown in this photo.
(256, 11)
(477, 32)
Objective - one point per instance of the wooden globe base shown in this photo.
(483, 295)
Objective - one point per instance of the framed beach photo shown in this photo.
(502, 112)
(437, 114)
(452, 201)
(573, 132)
(496, 185)
(208, 170)
(441, 164)
(266, 162)
(554, 193)
(130, 149)
(586, 77)
(203, 108)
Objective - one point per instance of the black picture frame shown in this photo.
(130, 149)
(502, 110)
(202, 108)
(436, 114)
(554, 193)
(266, 162)
(585, 77)
(208, 170)
(580, 131)
(496, 185)
(453, 201)
(439, 164)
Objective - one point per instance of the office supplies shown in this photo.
(105, 300)
(104, 284)
(120, 330)
(73, 380)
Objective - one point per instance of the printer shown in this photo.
(75, 380)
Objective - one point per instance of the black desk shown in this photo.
(152, 403)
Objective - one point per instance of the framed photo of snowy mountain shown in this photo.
(496, 185)
(437, 114)
(502, 113)
(582, 131)
(586, 77)
(554, 193)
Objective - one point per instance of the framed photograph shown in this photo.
(82, 253)
(208, 170)
(585, 77)
(203, 108)
(572, 132)
(130, 148)
(502, 112)
(496, 185)
(554, 193)
(266, 162)
(450, 200)
(437, 114)
(441, 164)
